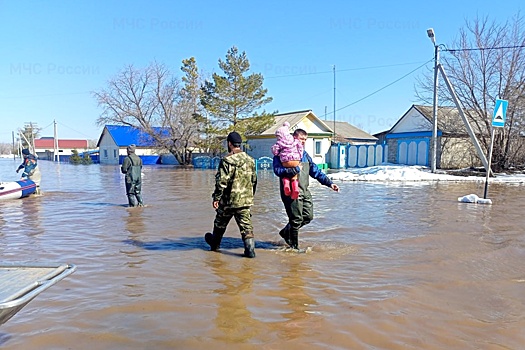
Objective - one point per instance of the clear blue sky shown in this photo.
(54, 53)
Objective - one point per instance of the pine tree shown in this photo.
(75, 157)
(233, 98)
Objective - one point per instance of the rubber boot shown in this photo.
(286, 186)
(214, 239)
(295, 189)
(131, 200)
(139, 200)
(249, 247)
(294, 243)
(285, 234)
(294, 239)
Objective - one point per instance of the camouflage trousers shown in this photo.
(242, 216)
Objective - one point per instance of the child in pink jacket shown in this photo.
(290, 151)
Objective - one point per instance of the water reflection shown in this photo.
(299, 305)
(135, 222)
(233, 319)
(21, 224)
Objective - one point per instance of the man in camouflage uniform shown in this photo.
(235, 184)
(132, 168)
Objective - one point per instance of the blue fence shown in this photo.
(206, 162)
(357, 156)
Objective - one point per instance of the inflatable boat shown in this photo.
(16, 189)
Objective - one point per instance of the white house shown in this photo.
(114, 140)
(317, 145)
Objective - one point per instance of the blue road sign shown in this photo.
(500, 113)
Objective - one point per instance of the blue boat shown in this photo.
(16, 189)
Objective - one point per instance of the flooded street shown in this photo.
(392, 266)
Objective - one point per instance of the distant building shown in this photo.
(115, 139)
(409, 140)
(45, 148)
(346, 133)
(353, 147)
(317, 145)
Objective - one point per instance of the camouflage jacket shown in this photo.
(235, 181)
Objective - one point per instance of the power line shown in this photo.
(384, 87)
(70, 128)
(486, 48)
(342, 70)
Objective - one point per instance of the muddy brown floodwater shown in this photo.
(392, 266)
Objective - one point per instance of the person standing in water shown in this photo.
(31, 168)
(132, 168)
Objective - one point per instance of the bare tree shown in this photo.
(6, 148)
(28, 134)
(488, 63)
(150, 100)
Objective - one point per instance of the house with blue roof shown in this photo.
(115, 138)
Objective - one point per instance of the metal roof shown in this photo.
(124, 135)
(449, 119)
(49, 142)
(346, 132)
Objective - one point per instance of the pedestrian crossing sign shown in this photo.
(500, 113)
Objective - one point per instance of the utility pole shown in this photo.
(431, 35)
(56, 156)
(334, 104)
(13, 146)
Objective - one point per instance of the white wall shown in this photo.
(109, 151)
(262, 148)
(412, 122)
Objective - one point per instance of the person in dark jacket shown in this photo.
(235, 185)
(300, 211)
(132, 168)
(31, 169)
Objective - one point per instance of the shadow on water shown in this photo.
(191, 243)
(104, 204)
(4, 338)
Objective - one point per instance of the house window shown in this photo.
(105, 153)
(114, 153)
(317, 147)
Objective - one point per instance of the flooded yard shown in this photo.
(392, 266)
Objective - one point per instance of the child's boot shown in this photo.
(295, 189)
(286, 186)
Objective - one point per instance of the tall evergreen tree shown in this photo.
(234, 97)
